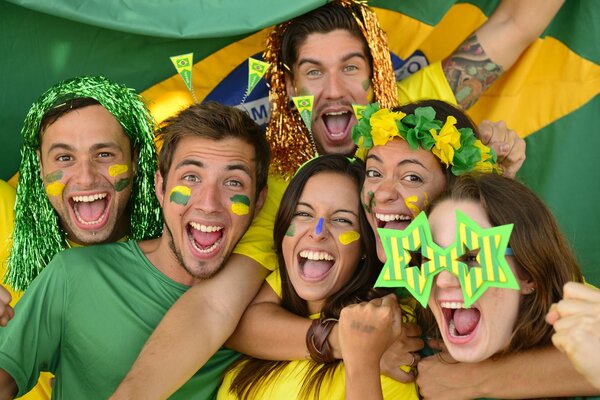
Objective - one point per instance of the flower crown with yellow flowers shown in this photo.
(458, 149)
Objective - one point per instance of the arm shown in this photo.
(527, 374)
(366, 330)
(576, 320)
(192, 331)
(8, 386)
(496, 45)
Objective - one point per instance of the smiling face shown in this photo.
(87, 169)
(399, 181)
(322, 248)
(337, 79)
(477, 333)
(208, 202)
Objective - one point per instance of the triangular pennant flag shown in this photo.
(304, 104)
(256, 70)
(183, 64)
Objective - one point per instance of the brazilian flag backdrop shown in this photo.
(550, 96)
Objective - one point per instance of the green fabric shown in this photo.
(87, 316)
(563, 173)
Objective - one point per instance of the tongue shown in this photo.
(465, 320)
(316, 269)
(398, 225)
(90, 211)
(336, 123)
(205, 239)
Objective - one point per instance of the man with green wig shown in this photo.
(86, 177)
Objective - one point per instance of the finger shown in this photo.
(389, 301)
(568, 323)
(437, 344)
(552, 315)
(486, 131)
(566, 308)
(574, 290)
(5, 297)
(400, 375)
(411, 330)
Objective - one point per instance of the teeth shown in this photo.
(207, 250)
(90, 198)
(316, 255)
(205, 228)
(452, 304)
(452, 329)
(336, 113)
(392, 217)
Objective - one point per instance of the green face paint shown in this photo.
(53, 176)
(303, 92)
(121, 184)
(291, 230)
(180, 195)
(240, 204)
(348, 237)
(370, 201)
(366, 85)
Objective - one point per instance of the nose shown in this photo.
(207, 199)
(386, 192)
(334, 87)
(447, 280)
(318, 232)
(87, 174)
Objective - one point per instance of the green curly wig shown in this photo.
(37, 235)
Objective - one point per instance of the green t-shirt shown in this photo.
(86, 317)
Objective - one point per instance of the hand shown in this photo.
(441, 377)
(576, 320)
(509, 147)
(6, 311)
(402, 355)
(367, 329)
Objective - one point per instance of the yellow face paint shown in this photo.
(55, 189)
(412, 206)
(180, 195)
(349, 237)
(240, 204)
(117, 169)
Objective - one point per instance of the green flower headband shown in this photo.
(458, 149)
(37, 236)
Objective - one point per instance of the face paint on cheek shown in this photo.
(348, 237)
(291, 230)
(411, 203)
(366, 84)
(240, 204)
(368, 205)
(426, 200)
(53, 176)
(55, 189)
(121, 184)
(117, 169)
(303, 92)
(180, 195)
(319, 227)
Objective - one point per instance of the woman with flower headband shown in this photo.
(326, 251)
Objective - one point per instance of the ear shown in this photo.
(135, 159)
(260, 200)
(158, 188)
(527, 287)
(39, 156)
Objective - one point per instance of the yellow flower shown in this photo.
(483, 149)
(446, 141)
(384, 127)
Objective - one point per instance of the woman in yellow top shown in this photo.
(326, 251)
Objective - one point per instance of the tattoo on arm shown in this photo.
(470, 72)
(359, 326)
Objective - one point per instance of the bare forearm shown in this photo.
(8, 386)
(363, 382)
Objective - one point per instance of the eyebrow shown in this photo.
(232, 167)
(341, 210)
(344, 59)
(403, 162)
(95, 147)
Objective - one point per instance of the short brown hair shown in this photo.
(214, 121)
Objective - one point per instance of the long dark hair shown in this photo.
(254, 372)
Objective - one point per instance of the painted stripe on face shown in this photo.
(180, 195)
(319, 227)
(411, 203)
(53, 176)
(55, 189)
(240, 204)
(291, 230)
(348, 237)
(117, 169)
(121, 184)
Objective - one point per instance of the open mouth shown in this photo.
(205, 239)
(461, 322)
(90, 211)
(393, 221)
(315, 265)
(336, 124)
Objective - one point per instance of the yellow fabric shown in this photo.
(7, 201)
(287, 385)
(427, 83)
(257, 242)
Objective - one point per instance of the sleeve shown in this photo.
(428, 83)
(7, 218)
(274, 280)
(257, 242)
(30, 343)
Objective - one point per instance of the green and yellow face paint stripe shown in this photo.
(240, 204)
(116, 170)
(348, 237)
(291, 230)
(54, 187)
(180, 195)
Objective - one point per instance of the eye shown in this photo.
(104, 154)
(350, 68)
(344, 221)
(372, 173)
(412, 178)
(301, 214)
(234, 183)
(191, 178)
(64, 158)
(313, 73)
(470, 258)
